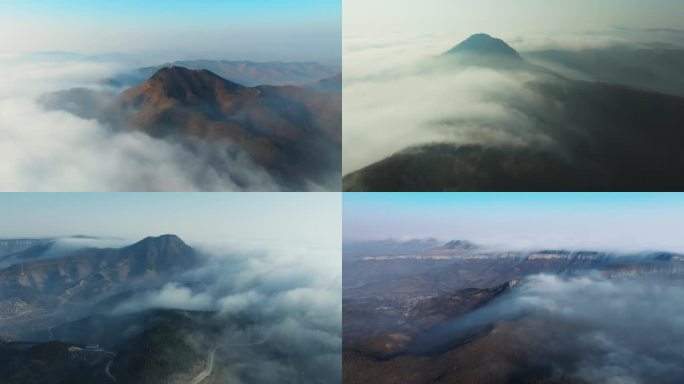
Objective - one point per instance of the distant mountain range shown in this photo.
(654, 69)
(459, 264)
(601, 136)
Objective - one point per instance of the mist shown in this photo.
(425, 100)
(622, 330)
(398, 95)
(291, 293)
(437, 105)
(590, 110)
(269, 311)
(47, 150)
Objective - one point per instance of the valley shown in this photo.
(460, 312)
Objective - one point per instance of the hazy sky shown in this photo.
(605, 220)
(238, 29)
(366, 18)
(291, 218)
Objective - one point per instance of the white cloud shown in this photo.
(293, 294)
(57, 151)
(409, 100)
(590, 328)
(171, 295)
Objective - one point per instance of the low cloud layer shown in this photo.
(633, 328)
(385, 116)
(397, 96)
(55, 150)
(622, 330)
(292, 294)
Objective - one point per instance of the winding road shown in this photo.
(81, 284)
(109, 364)
(207, 371)
(210, 366)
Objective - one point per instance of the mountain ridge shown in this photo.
(86, 274)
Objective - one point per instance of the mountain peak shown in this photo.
(484, 44)
(160, 253)
(160, 243)
(458, 244)
(187, 86)
(178, 72)
(162, 239)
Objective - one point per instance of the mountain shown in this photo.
(484, 50)
(40, 298)
(387, 247)
(440, 269)
(290, 133)
(275, 111)
(149, 257)
(293, 132)
(39, 291)
(154, 346)
(459, 245)
(602, 133)
(103, 315)
(502, 352)
(655, 69)
(248, 73)
(600, 137)
(333, 83)
(51, 362)
(455, 167)
(460, 264)
(184, 87)
(483, 44)
(382, 326)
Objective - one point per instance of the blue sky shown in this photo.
(267, 29)
(625, 220)
(289, 218)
